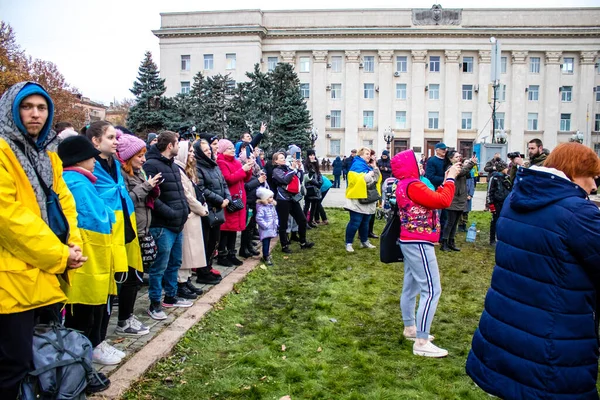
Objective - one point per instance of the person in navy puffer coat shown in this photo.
(537, 337)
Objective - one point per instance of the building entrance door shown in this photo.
(399, 145)
(430, 147)
(465, 147)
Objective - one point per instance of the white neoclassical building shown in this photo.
(422, 74)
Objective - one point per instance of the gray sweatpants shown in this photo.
(421, 276)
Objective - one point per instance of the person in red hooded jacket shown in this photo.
(420, 228)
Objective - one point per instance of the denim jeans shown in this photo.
(168, 260)
(358, 222)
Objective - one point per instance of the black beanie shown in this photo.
(310, 152)
(75, 149)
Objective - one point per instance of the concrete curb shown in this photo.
(161, 345)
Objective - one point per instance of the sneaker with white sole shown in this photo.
(431, 338)
(104, 356)
(114, 350)
(429, 350)
(175, 301)
(367, 245)
(349, 248)
(156, 312)
(131, 327)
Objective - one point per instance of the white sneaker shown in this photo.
(367, 245)
(113, 350)
(103, 355)
(349, 248)
(429, 350)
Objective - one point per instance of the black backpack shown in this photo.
(62, 358)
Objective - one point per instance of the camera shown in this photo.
(515, 154)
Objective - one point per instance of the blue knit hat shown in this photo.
(30, 89)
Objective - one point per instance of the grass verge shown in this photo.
(325, 324)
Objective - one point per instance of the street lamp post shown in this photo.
(314, 135)
(496, 60)
(388, 136)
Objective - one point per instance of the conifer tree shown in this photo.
(291, 120)
(215, 105)
(150, 112)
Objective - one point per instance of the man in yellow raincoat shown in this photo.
(31, 253)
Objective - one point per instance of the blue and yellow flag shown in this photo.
(357, 187)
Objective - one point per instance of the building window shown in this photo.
(368, 119)
(433, 120)
(434, 63)
(597, 123)
(336, 90)
(209, 61)
(400, 119)
(336, 119)
(369, 89)
(467, 92)
(499, 120)
(272, 63)
(369, 63)
(467, 64)
(566, 93)
(534, 65)
(401, 64)
(230, 61)
(305, 90)
(230, 87)
(466, 120)
(185, 63)
(567, 65)
(368, 143)
(533, 93)
(335, 147)
(598, 91)
(565, 122)
(304, 64)
(503, 61)
(501, 93)
(434, 91)
(401, 91)
(532, 121)
(185, 87)
(336, 64)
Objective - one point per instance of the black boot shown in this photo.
(444, 243)
(286, 249)
(252, 251)
(452, 246)
(205, 276)
(462, 228)
(193, 288)
(234, 260)
(184, 291)
(245, 252)
(294, 237)
(224, 261)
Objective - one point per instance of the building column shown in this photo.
(319, 96)
(351, 112)
(288, 57)
(451, 88)
(551, 107)
(482, 120)
(385, 110)
(585, 97)
(418, 113)
(516, 141)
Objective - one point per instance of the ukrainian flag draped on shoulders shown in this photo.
(94, 281)
(357, 186)
(113, 193)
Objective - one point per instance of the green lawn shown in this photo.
(325, 324)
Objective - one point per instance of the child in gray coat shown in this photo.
(267, 220)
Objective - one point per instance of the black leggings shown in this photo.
(285, 208)
(90, 320)
(211, 240)
(128, 292)
(311, 206)
(451, 224)
(321, 214)
(227, 243)
(495, 216)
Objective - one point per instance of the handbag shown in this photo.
(313, 193)
(372, 194)
(149, 249)
(236, 204)
(216, 217)
(389, 251)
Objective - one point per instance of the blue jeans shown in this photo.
(167, 264)
(266, 245)
(336, 181)
(358, 222)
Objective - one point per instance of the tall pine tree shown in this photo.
(291, 120)
(215, 104)
(150, 110)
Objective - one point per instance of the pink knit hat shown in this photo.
(223, 145)
(128, 145)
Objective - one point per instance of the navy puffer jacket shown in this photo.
(536, 337)
(171, 207)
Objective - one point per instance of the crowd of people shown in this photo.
(87, 214)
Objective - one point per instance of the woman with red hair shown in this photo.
(537, 337)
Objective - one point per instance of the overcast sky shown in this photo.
(98, 45)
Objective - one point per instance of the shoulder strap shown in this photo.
(43, 184)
